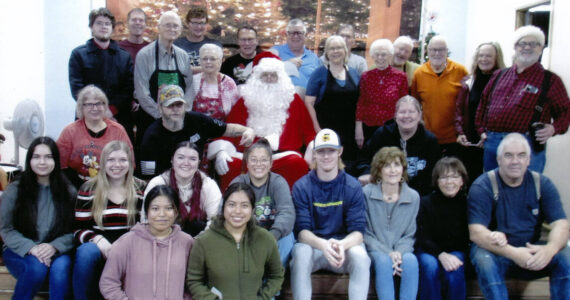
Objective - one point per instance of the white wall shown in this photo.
(451, 23)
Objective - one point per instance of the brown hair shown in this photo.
(101, 12)
(386, 156)
(196, 12)
(445, 164)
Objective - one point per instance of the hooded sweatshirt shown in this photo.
(250, 269)
(140, 266)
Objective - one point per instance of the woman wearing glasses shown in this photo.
(81, 142)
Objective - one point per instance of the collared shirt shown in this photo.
(510, 105)
(310, 63)
(145, 65)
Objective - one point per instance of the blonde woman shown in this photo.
(107, 206)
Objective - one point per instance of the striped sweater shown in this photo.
(115, 222)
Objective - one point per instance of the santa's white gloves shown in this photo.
(222, 159)
(273, 140)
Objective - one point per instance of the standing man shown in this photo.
(136, 23)
(330, 222)
(511, 102)
(436, 85)
(158, 64)
(295, 52)
(101, 62)
(356, 62)
(197, 21)
(505, 212)
(239, 66)
(403, 47)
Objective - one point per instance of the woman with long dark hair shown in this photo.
(107, 207)
(36, 218)
(199, 195)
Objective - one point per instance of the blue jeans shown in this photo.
(87, 270)
(436, 283)
(307, 259)
(31, 274)
(491, 271)
(537, 159)
(285, 246)
(385, 280)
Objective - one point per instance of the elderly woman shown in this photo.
(442, 237)
(81, 142)
(332, 93)
(380, 88)
(488, 58)
(391, 210)
(215, 92)
(407, 133)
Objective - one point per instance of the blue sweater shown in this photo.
(329, 209)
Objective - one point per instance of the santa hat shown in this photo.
(264, 54)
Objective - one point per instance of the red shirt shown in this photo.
(510, 106)
(379, 92)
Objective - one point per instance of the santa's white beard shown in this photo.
(267, 106)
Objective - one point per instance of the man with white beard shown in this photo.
(524, 98)
(270, 106)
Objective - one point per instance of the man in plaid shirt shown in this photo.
(509, 100)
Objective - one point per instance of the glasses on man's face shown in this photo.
(198, 23)
(435, 50)
(171, 25)
(93, 105)
(532, 45)
(296, 33)
(103, 23)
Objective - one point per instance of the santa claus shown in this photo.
(270, 106)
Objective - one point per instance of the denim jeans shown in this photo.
(537, 159)
(385, 280)
(436, 283)
(491, 271)
(87, 270)
(307, 259)
(285, 246)
(31, 274)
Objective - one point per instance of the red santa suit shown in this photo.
(288, 161)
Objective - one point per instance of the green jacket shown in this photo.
(247, 270)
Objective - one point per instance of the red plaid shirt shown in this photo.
(510, 106)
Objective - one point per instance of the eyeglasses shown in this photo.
(102, 23)
(250, 40)
(296, 33)
(532, 45)
(437, 50)
(93, 105)
(449, 177)
(255, 161)
(198, 23)
(208, 58)
(171, 25)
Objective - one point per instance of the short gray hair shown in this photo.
(381, 43)
(345, 27)
(404, 39)
(296, 22)
(171, 14)
(511, 138)
(218, 52)
(440, 38)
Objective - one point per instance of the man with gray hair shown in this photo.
(436, 85)
(295, 52)
(357, 62)
(158, 64)
(524, 98)
(403, 47)
(506, 209)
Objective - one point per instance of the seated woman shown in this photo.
(274, 208)
(199, 196)
(407, 133)
(442, 237)
(234, 258)
(151, 259)
(331, 96)
(391, 210)
(107, 206)
(81, 142)
(36, 219)
(215, 92)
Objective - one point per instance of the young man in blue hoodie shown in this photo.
(330, 222)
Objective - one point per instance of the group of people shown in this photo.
(282, 159)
